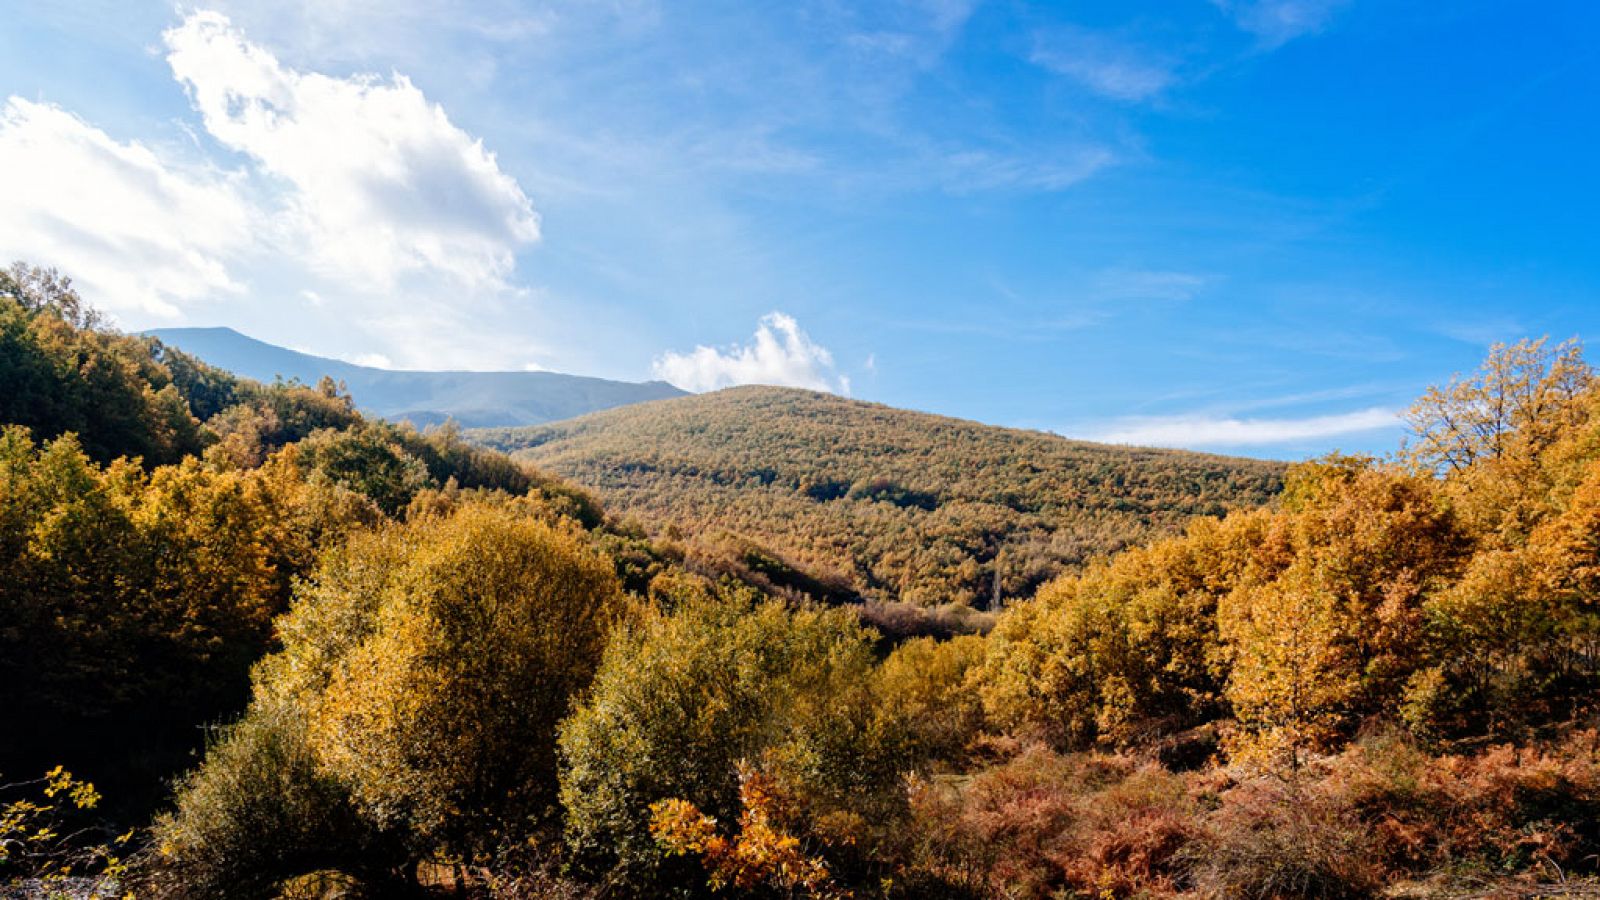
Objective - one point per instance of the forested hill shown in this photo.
(422, 398)
(888, 503)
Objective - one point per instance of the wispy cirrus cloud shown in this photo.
(779, 354)
(971, 170)
(1149, 284)
(1104, 63)
(1277, 22)
(1202, 430)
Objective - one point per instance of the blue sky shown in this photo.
(1253, 226)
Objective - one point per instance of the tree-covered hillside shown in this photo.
(887, 503)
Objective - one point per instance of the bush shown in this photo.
(1276, 838)
(923, 687)
(1386, 809)
(412, 711)
(1503, 809)
(1042, 824)
(49, 841)
(1129, 648)
(259, 812)
(682, 697)
(440, 707)
(133, 603)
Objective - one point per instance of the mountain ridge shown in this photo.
(471, 398)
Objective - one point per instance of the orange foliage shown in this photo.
(762, 853)
(1043, 824)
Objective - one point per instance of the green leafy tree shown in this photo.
(133, 602)
(62, 372)
(682, 697)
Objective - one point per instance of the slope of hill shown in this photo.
(475, 399)
(885, 503)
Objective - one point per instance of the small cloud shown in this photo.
(919, 31)
(312, 297)
(1199, 430)
(888, 43)
(1103, 64)
(1146, 284)
(949, 15)
(1277, 22)
(871, 364)
(373, 361)
(781, 354)
(967, 171)
(1483, 332)
(531, 366)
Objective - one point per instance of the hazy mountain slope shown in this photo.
(896, 504)
(475, 399)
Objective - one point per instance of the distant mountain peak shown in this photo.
(474, 399)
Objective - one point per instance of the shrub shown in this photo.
(1042, 824)
(259, 812)
(440, 709)
(682, 697)
(923, 687)
(1128, 648)
(48, 840)
(1277, 838)
(133, 603)
(1502, 809)
(763, 853)
(1334, 635)
(412, 711)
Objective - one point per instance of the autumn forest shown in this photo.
(775, 643)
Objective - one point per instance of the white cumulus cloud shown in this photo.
(1228, 431)
(373, 360)
(780, 354)
(380, 183)
(136, 232)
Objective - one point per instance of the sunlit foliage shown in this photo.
(1130, 648)
(440, 705)
(761, 854)
(47, 841)
(1451, 587)
(681, 698)
(414, 705)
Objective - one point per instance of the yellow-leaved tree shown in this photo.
(412, 712)
(1130, 647)
(1336, 635)
(441, 714)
